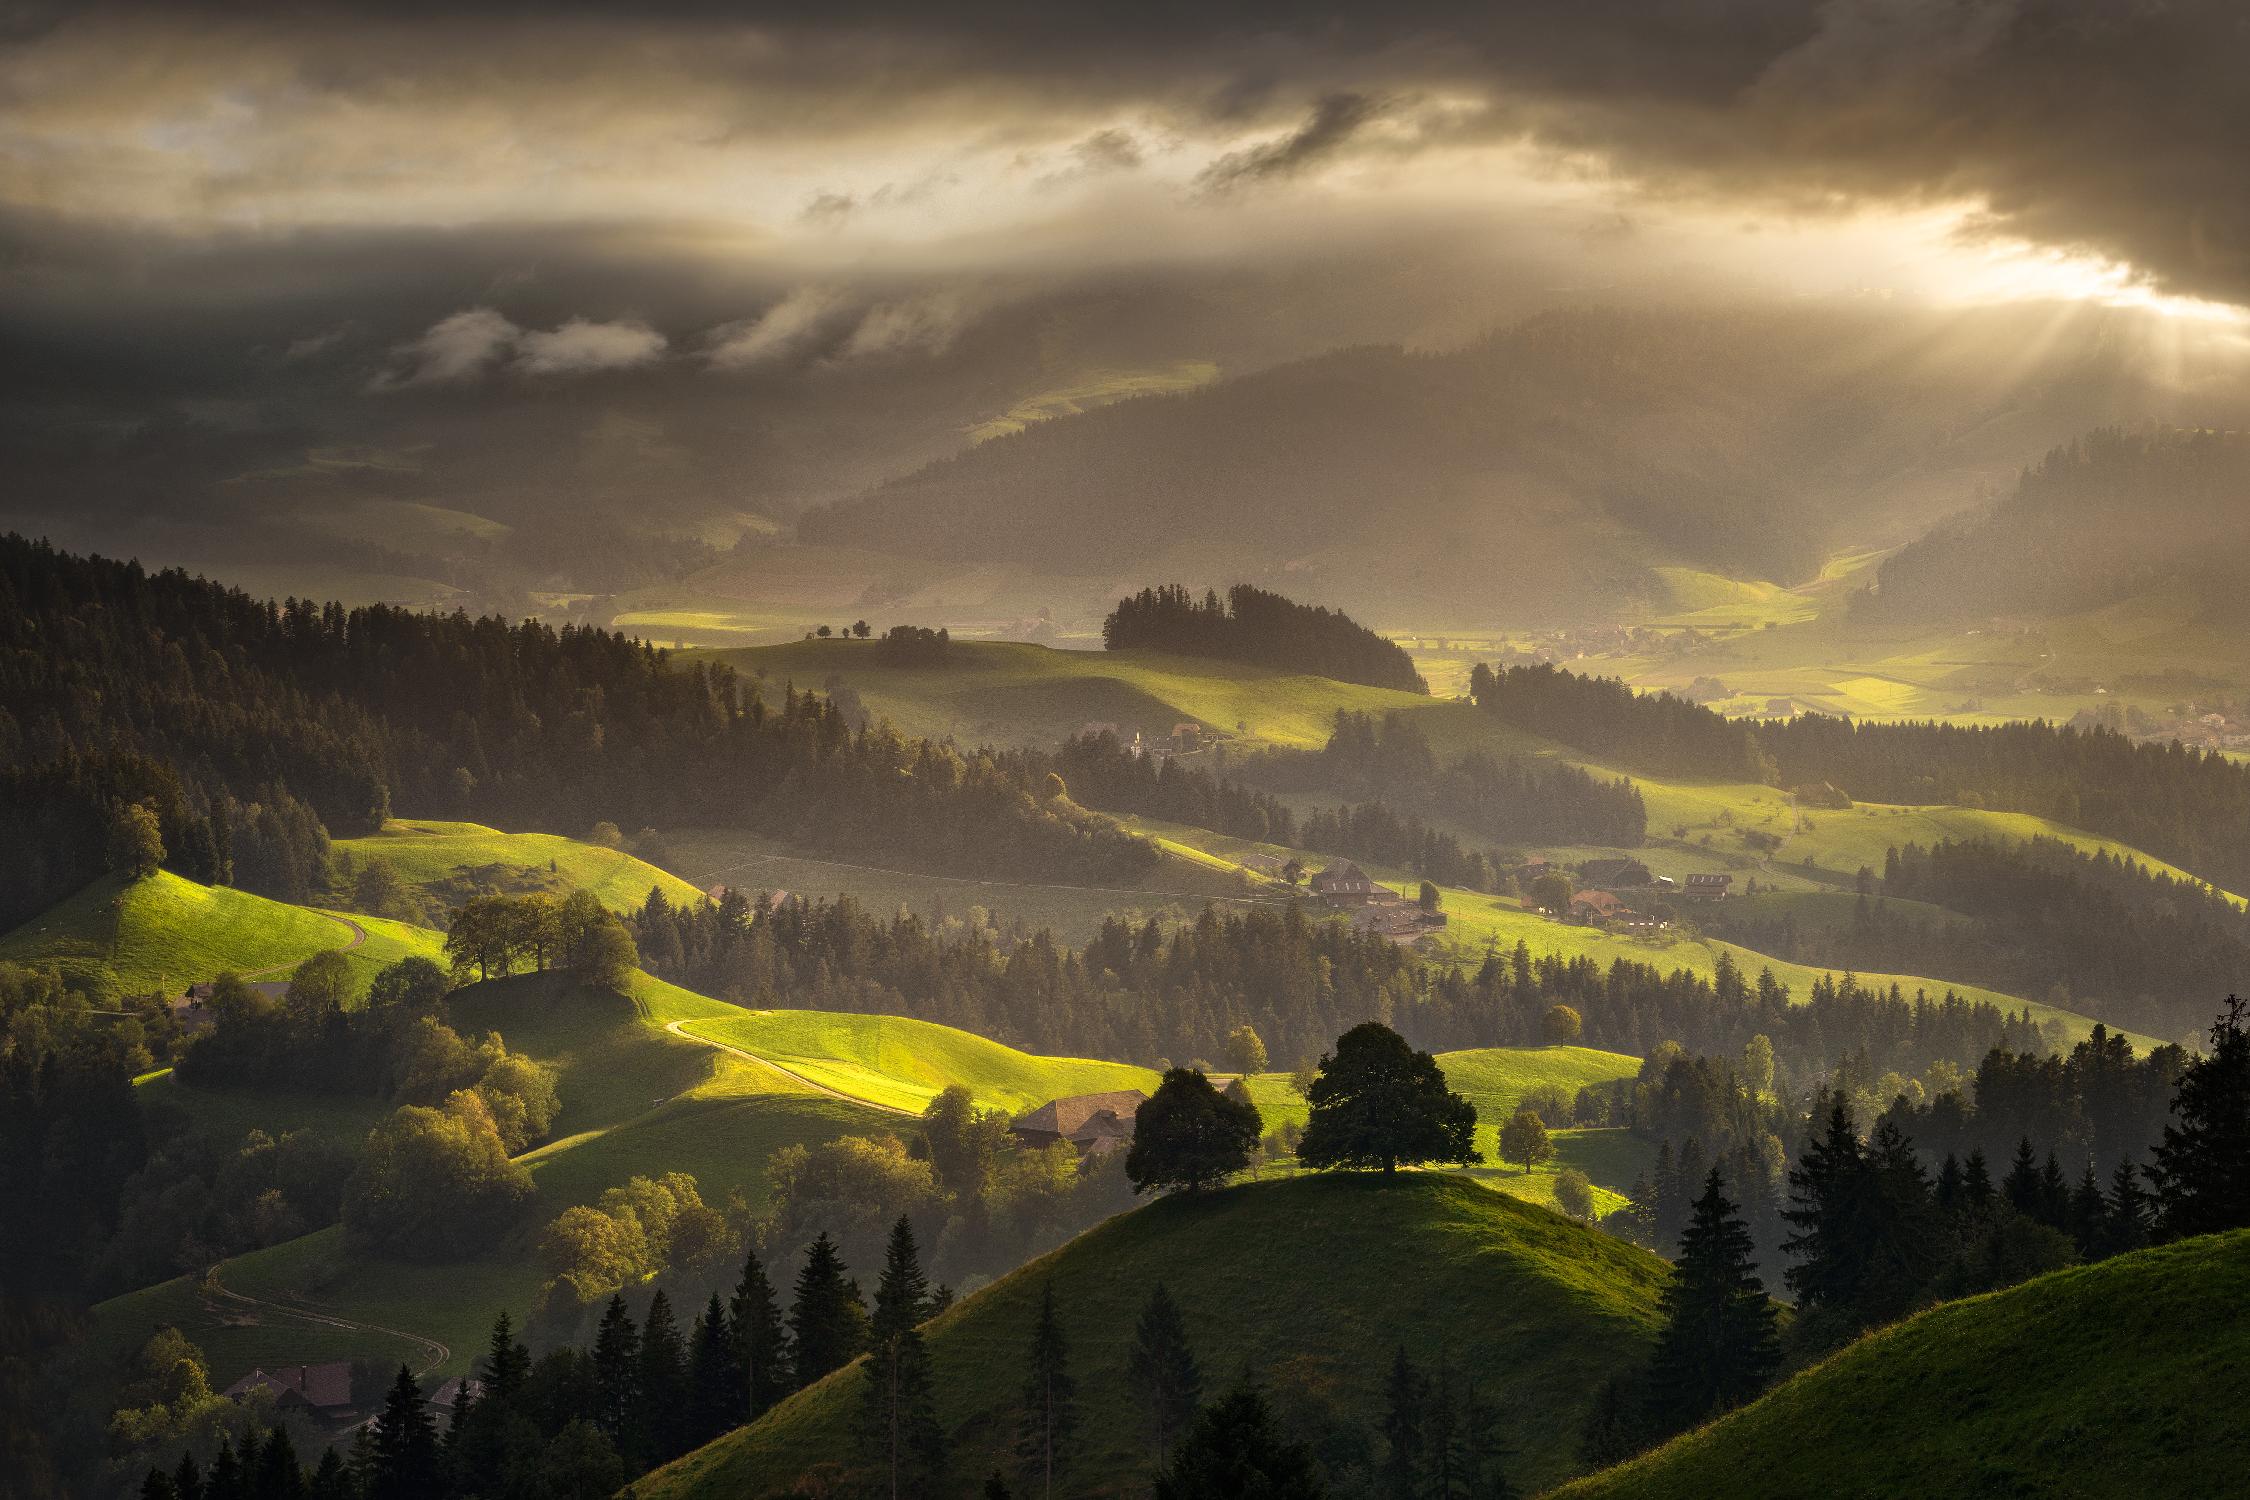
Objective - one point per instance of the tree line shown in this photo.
(2190, 807)
(243, 722)
(1252, 625)
(2094, 931)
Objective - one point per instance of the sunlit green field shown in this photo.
(165, 933)
(423, 852)
(903, 1064)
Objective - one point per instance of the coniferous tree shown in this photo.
(2089, 1214)
(1050, 1404)
(406, 1448)
(660, 1421)
(715, 1379)
(363, 1460)
(331, 1480)
(225, 1481)
(2125, 1215)
(617, 1356)
(827, 1321)
(761, 1346)
(1233, 1453)
(187, 1479)
(507, 1364)
(157, 1485)
(1406, 1396)
(1720, 1344)
(1612, 1431)
(2202, 1171)
(1976, 1181)
(1899, 1229)
(1163, 1370)
(2021, 1186)
(277, 1475)
(898, 1417)
(1827, 1190)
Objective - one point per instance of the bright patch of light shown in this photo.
(2018, 272)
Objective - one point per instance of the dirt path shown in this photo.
(705, 880)
(212, 1287)
(359, 936)
(679, 1029)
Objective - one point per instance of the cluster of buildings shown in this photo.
(1094, 1124)
(1622, 894)
(1373, 907)
(324, 1393)
(1186, 738)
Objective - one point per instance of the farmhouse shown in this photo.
(323, 1390)
(1608, 874)
(1343, 885)
(1708, 887)
(1595, 907)
(1094, 1123)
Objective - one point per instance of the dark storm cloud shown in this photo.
(1334, 120)
(2118, 126)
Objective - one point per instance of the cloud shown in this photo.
(828, 209)
(454, 349)
(914, 325)
(772, 334)
(1335, 119)
(581, 346)
(313, 344)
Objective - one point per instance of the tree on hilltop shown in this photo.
(1190, 1136)
(1379, 1103)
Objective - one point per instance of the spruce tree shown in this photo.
(2089, 1214)
(827, 1322)
(1405, 1402)
(761, 1346)
(507, 1365)
(898, 1417)
(1719, 1345)
(1050, 1406)
(1163, 1370)
(660, 1420)
(157, 1485)
(2125, 1215)
(406, 1449)
(2202, 1170)
(225, 1481)
(2021, 1186)
(1827, 1191)
(1232, 1452)
(617, 1357)
(1976, 1181)
(715, 1381)
(187, 1479)
(277, 1475)
(331, 1480)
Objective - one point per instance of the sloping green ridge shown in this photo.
(2123, 1379)
(165, 933)
(1312, 1283)
(900, 1063)
(423, 852)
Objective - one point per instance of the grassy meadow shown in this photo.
(2100, 1383)
(426, 853)
(165, 933)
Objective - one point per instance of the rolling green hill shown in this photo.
(898, 1063)
(637, 1098)
(2111, 1380)
(429, 854)
(1311, 1283)
(164, 933)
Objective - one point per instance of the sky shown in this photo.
(210, 212)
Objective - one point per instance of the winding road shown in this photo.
(679, 1029)
(359, 936)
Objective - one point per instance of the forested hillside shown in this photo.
(251, 730)
(1254, 626)
(2114, 514)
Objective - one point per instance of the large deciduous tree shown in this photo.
(1189, 1135)
(1380, 1103)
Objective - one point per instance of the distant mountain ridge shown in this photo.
(1541, 472)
